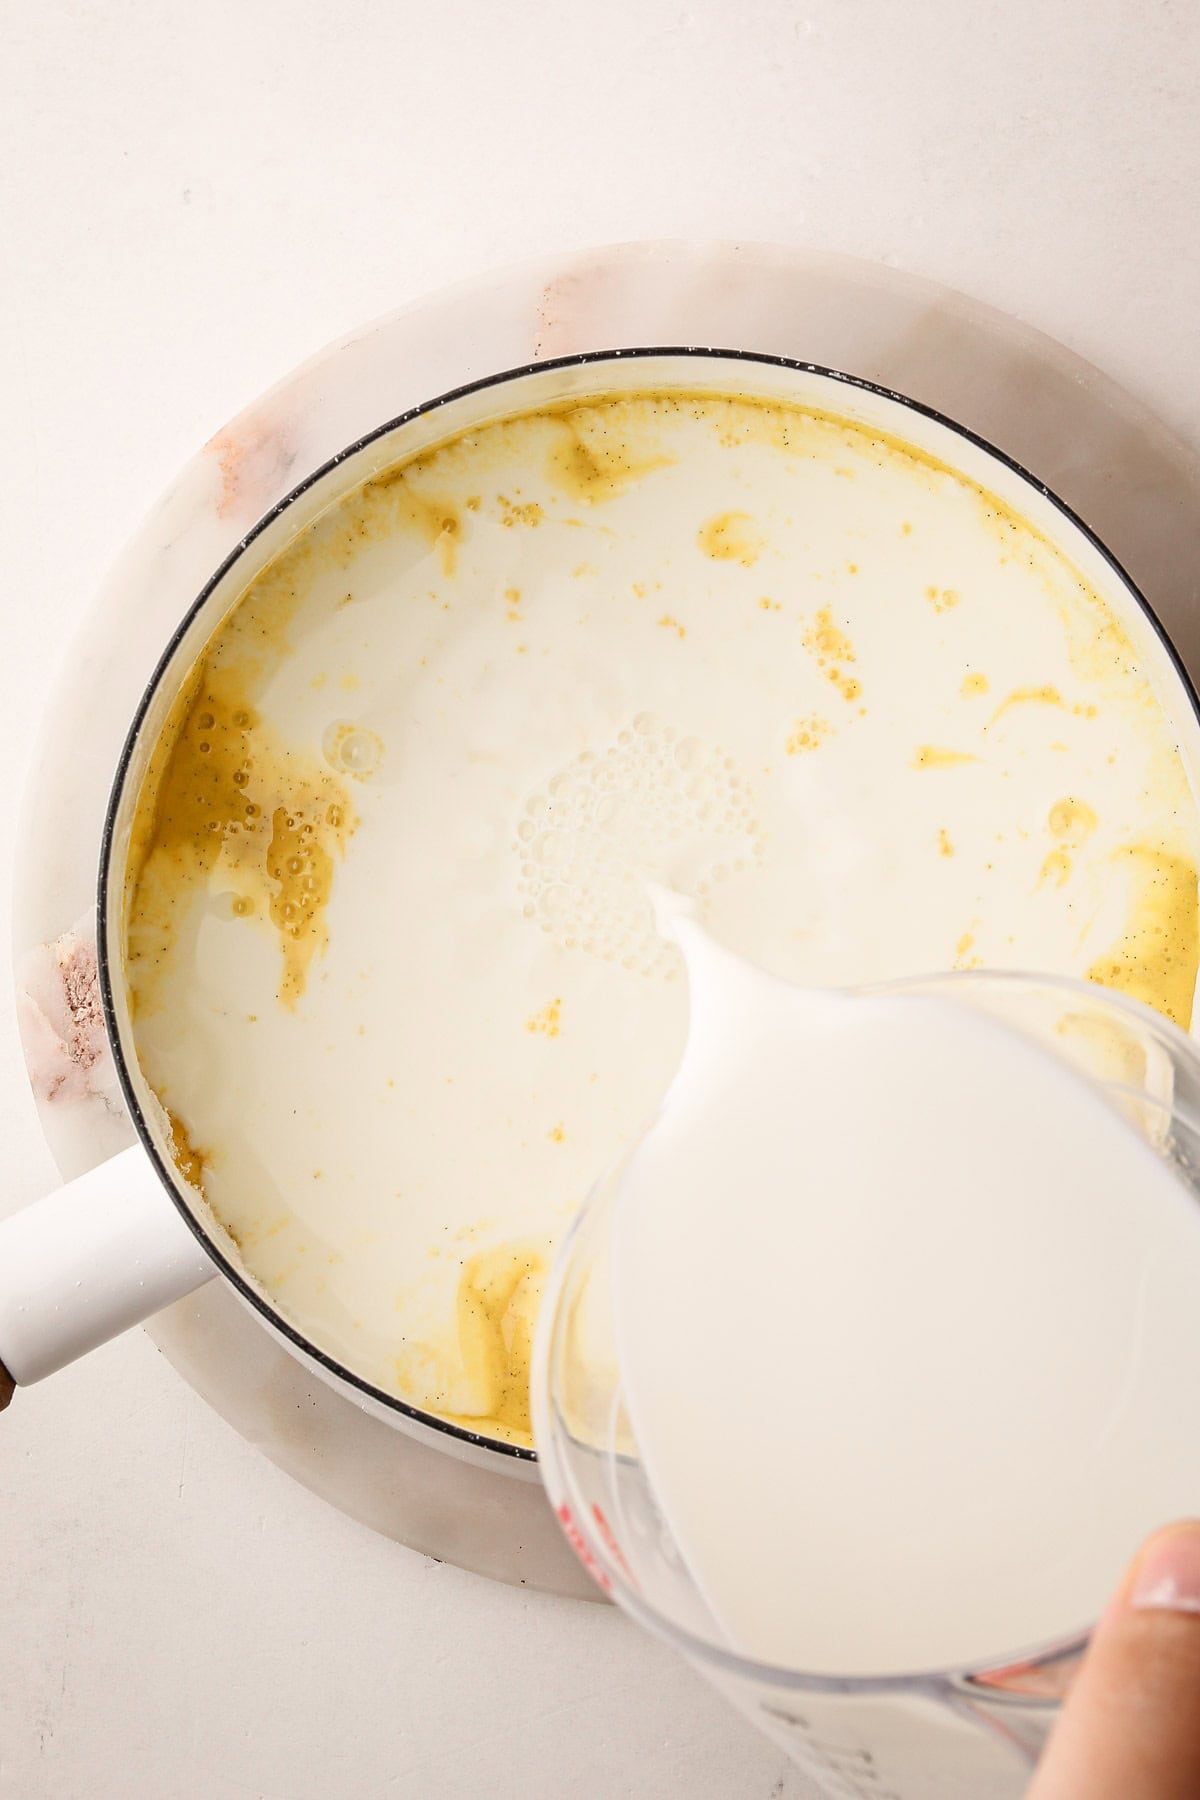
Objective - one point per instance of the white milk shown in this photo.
(874, 724)
(907, 1327)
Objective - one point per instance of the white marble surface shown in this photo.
(196, 199)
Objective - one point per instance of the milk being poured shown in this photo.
(396, 993)
(907, 1322)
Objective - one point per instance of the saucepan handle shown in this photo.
(87, 1262)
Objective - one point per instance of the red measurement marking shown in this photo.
(611, 1545)
(578, 1543)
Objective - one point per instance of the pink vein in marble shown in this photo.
(62, 1022)
(254, 455)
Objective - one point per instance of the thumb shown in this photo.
(1132, 1724)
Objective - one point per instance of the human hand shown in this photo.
(1130, 1729)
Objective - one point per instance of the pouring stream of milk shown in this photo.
(907, 1323)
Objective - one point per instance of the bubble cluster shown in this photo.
(351, 749)
(247, 815)
(656, 805)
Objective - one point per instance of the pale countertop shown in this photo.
(195, 198)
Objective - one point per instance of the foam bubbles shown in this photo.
(657, 804)
(351, 749)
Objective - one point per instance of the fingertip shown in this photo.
(1165, 1574)
(1132, 1723)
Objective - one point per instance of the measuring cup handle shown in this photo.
(101, 1254)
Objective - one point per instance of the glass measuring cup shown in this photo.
(926, 1735)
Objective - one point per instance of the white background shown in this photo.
(192, 198)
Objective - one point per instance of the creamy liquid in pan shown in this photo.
(395, 974)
